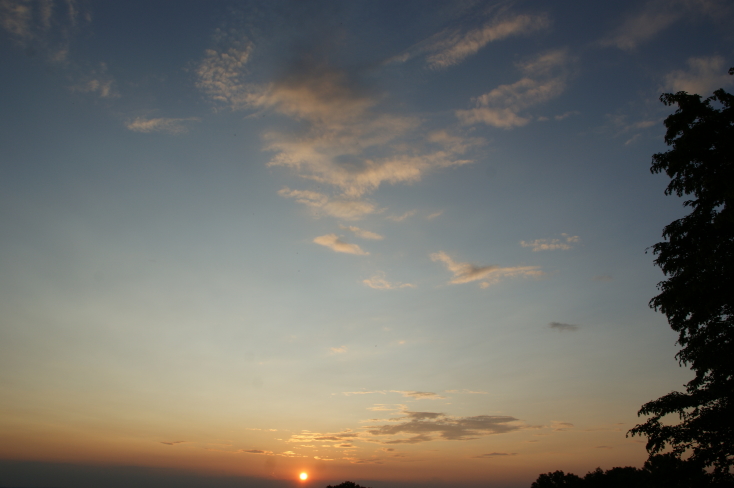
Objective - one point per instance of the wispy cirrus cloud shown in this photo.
(451, 47)
(322, 204)
(655, 16)
(545, 79)
(704, 75)
(347, 141)
(551, 244)
(378, 282)
(173, 443)
(161, 124)
(488, 275)
(336, 244)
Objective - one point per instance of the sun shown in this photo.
(303, 476)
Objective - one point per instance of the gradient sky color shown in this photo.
(390, 242)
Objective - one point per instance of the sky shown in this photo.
(397, 243)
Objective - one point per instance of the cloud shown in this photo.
(99, 82)
(378, 282)
(333, 242)
(339, 350)
(657, 15)
(220, 76)
(171, 126)
(560, 326)
(471, 392)
(434, 215)
(173, 442)
(567, 114)
(347, 393)
(344, 140)
(412, 427)
(466, 272)
(364, 234)
(495, 454)
(704, 75)
(551, 244)
(561, 426)
(342, 208)
(401, 217)
(643, 26)
(308, 436)
(428, 426)
(41, 26)
(545, 79)
(255, 451)
(452, 47)
(420, 395)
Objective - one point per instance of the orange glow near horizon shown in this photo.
(303, 476)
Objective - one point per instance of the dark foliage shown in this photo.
(347, 484)
(557, 479)
(660, 471)
(697, 297)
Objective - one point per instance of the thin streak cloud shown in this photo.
(334, 242)
(467, 272)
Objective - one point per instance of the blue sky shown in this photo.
(384, 241)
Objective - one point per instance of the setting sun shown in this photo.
(303, 476)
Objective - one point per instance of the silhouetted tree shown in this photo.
(669, 471)
(626, 477)
(347, 484)
(698, 295)
(557, 479)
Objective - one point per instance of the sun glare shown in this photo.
(303, 476)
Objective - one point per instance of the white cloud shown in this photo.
(551, 244)
(364, 234)
(378, 282)
(169, 125)
(339, 350)
(434, 215)
(704, 75)
(466, 272)
(545, 79)
(333, 242)
(453, 47)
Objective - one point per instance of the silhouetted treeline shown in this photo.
(660, 471)
(347, 484)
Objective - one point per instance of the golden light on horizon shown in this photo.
(303, 476)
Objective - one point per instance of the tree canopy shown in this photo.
(697, 296)
(660, 471)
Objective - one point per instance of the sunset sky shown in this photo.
(394, 242)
